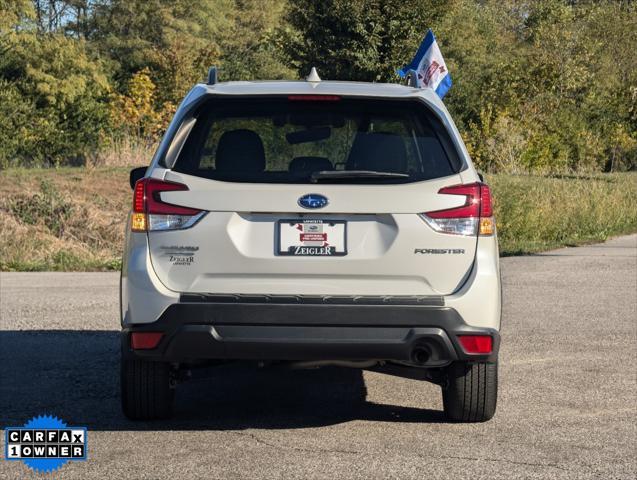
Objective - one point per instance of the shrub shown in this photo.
(47, 207)
(52, 100)
(536, 213)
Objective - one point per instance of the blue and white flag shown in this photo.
(429, 67)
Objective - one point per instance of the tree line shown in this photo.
(542, 86)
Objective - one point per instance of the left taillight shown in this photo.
(145, 340)
(150, 213)
(472, 218)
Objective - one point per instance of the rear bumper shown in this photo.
(309, 328)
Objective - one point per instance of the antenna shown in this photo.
(212, 75)
(313, 76)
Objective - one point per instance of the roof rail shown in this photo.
(411, 80)
(212, 75)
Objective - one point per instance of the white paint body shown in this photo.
(235, 244)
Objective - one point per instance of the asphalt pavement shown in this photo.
(567, 405)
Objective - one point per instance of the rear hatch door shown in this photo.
(291, 211)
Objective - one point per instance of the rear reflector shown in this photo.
(314, 98)
(476, 343)
(145, 340)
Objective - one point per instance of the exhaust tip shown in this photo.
(420, 355)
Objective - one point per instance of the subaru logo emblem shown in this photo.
(313, 200)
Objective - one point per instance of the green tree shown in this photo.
(542, 86)
(14, 13)
(53, 82)
(254, 47)
(363, 40)
(175, 39)
(339, 37)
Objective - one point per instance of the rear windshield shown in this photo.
(287, 140)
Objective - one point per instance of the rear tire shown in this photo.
(471, 392)
(146, 390)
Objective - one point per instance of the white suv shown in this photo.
(313, 223)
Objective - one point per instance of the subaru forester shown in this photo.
(311, 223)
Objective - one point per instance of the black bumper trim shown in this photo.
(307, 331)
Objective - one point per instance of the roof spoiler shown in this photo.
(212, 76)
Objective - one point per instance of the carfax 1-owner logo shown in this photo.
(45, 443)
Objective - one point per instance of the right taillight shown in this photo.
(476, 344)
(151, 214)
(474, 217)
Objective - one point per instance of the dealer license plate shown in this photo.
(312, 238)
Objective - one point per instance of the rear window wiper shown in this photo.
(344, 174)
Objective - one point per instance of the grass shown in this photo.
(541, 213)
(66, 219)
(72, 219)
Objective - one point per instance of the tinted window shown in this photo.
(285, 141)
